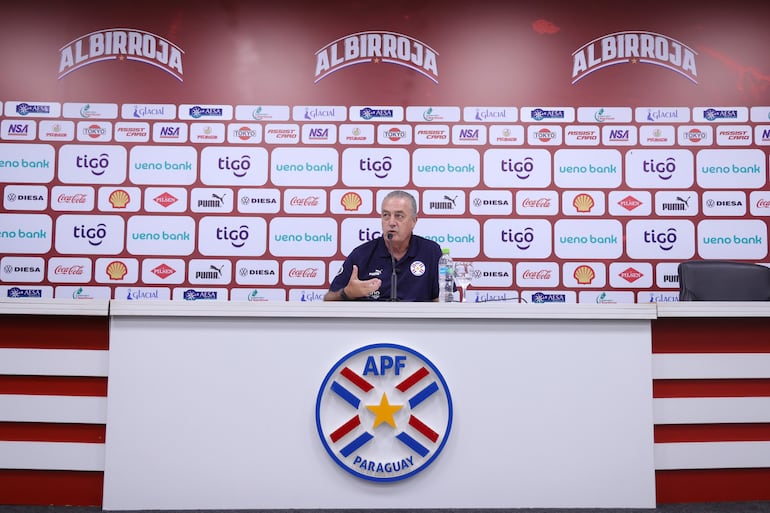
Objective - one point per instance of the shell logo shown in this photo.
(116, 270)
(119, 199)
(583, 202)
(584, 275)
(350, 201)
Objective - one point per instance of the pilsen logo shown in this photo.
(634, 47)
(376, 47)
(121, 44)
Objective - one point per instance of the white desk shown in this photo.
(212, 405)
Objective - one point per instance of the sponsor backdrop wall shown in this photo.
(239, 150)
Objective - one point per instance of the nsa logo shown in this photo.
(384, 412)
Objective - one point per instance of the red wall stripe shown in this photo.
(711, 335)
(713, 485)
(55, 332)
(669, 433)
(54, 385)
(51, 432)
(51, 487)
(710, 388)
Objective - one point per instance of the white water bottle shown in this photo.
(446, 282)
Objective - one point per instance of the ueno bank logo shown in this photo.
(384, 412)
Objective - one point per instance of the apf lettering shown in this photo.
(386, 363)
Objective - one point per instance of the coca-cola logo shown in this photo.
(763, 203)
(69, 270)
(536, 203)
(308, 272)
(72, 198)
(309, 201)
(541, 274)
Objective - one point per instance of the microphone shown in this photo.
(393, 272)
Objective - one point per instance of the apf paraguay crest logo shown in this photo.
(384, 412)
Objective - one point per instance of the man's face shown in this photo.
(397, 219)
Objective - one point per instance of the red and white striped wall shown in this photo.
(711, 389)
(53, 405)
(711, 405)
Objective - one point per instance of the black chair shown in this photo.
(720, 280)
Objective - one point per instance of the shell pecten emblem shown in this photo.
(350, 201)
(116, 270)
(583, 202)
(584, 275)
(119, 199)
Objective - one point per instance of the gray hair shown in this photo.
(404, 195)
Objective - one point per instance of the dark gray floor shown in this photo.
(701, 507)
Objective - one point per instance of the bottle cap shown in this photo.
(445, 251)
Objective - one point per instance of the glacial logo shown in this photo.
(384, 413)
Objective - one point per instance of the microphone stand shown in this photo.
(393, 274)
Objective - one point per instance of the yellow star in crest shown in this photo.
(384, 411)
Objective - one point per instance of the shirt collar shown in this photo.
(411, 250)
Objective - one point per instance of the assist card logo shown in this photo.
(384, 412)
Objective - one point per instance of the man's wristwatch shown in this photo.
(343, 295)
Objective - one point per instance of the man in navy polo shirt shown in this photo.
(366, 273)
